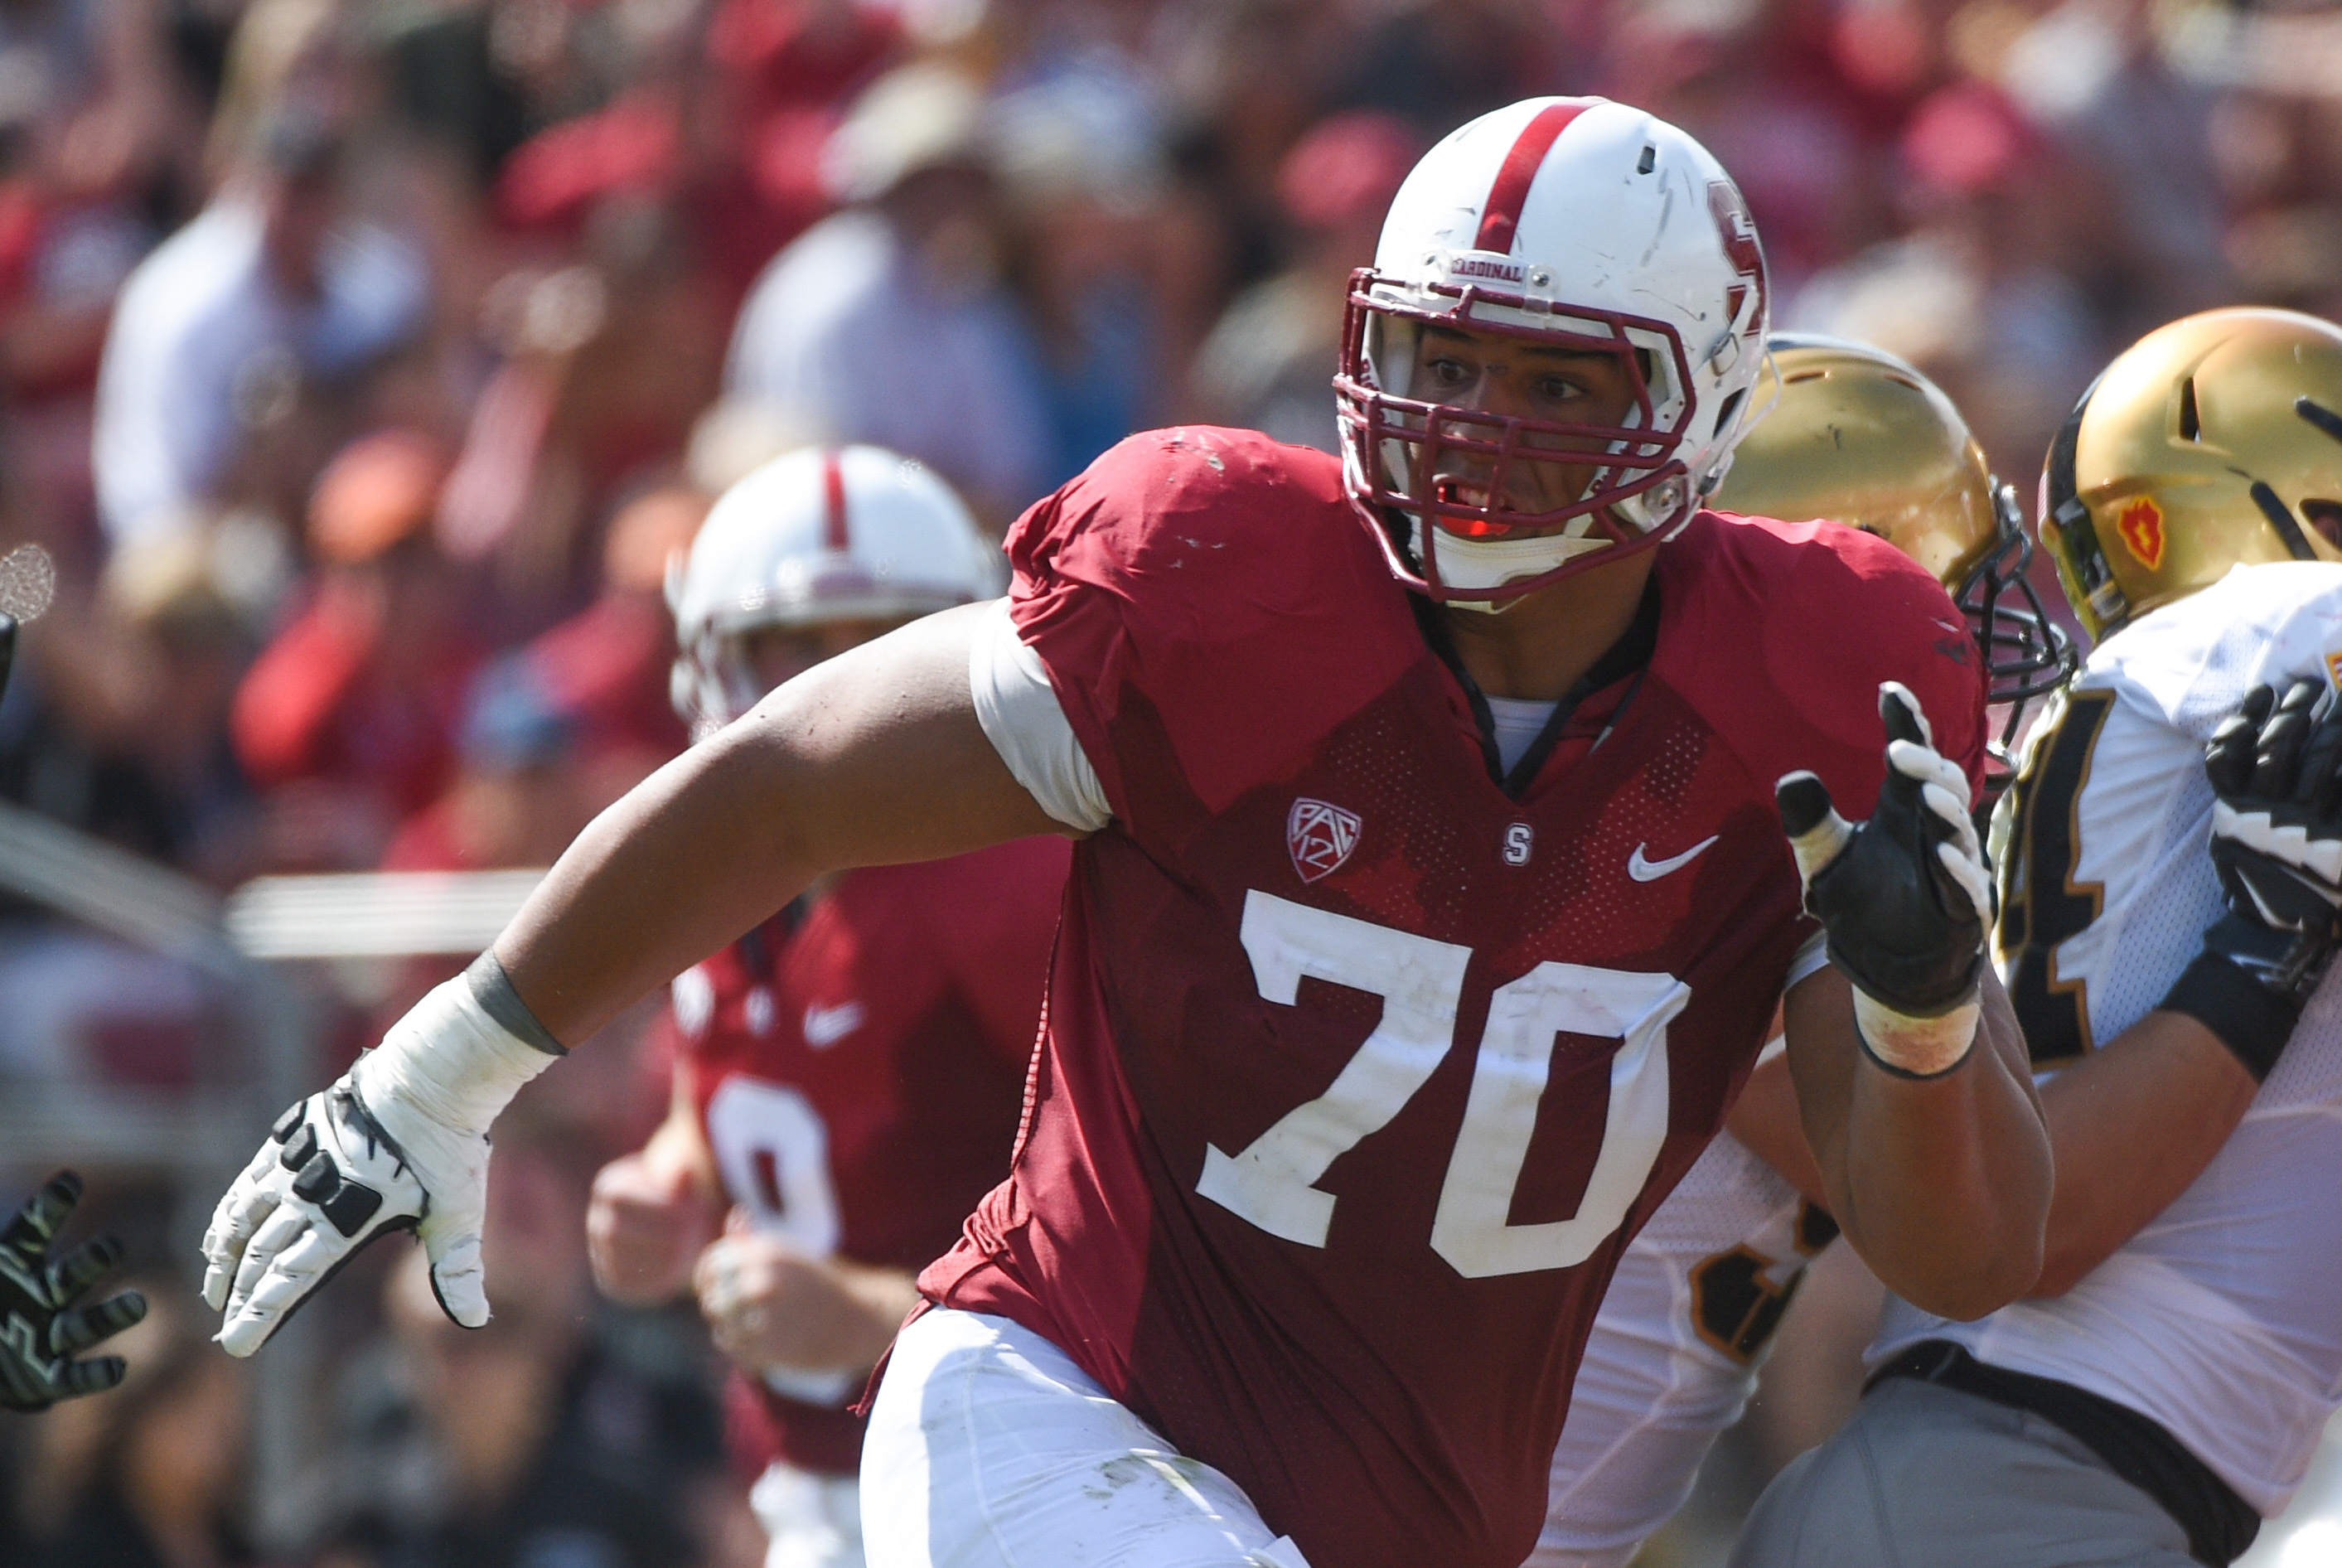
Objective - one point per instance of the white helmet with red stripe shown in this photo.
(1574, 222)
(819, 534)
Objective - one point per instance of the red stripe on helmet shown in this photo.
(1502, 216)
(833, 476)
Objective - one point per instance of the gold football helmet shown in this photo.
(2211, 443)
(1858, 437)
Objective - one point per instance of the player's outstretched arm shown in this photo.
(2135, 1122)
(1943, 1185)
(873, 757)
(1911, 1073)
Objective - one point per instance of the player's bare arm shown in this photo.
(1941, 1185)
(2180, 1081)
(1766, 1119)
(1912, 1074)
(873, 758)
(2132, 1125)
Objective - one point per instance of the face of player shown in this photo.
(778, 655)
(1490, 373)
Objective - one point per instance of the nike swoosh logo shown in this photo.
(825, 1026)
(1643, 869)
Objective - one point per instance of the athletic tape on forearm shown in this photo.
(2251, 1020)
(1916, 1047)
(494, 988)
(449, 1060)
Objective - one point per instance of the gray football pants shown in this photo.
(1929, 1477)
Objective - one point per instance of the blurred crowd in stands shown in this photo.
(363, 363)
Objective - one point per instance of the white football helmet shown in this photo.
(1583, 225)
(819, 534)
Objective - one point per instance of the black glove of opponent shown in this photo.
(41, 1331)
(2276, 772)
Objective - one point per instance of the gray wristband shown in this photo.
(492, 988)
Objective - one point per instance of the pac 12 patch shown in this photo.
(2141, 527)
(1319, 835)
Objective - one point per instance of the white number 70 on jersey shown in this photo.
(1272, 1182)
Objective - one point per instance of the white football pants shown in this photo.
(989, 1448)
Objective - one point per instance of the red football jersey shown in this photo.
(860, 1072)
(1358, 1072)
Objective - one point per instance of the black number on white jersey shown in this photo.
(2042, 907)
(1736, 1305)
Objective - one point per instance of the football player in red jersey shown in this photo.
(848, 1075)
(1432, 908)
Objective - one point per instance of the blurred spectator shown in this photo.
(358, 696)
(116, 723)
(1768, 87)
(187, 605)
(445, 82)
(82, 1009)
(217, 331)
(149, 1475)
(607, 666)
(887, 323)
(1972, 294)
(527, 1443)
(514, 802)
(2090, 72)
(784, 71)
(1081, 167)
(1439, 62)
(1268, 365)
(1241, 80)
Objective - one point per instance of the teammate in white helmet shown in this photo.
(1852, 433)
(2167, 913)
(1432, 907)
(848, 1075)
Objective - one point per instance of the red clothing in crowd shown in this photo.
(318, 705)
(607, 667)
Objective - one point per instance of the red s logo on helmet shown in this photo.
(1739, 232)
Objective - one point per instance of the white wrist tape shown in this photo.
(1922, 1047)
(449, 1060)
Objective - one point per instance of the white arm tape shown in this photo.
(1921, 1046)
(1021, 717)
(449, 1060)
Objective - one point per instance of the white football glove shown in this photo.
(399, 1142)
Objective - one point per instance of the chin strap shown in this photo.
(1493, 562)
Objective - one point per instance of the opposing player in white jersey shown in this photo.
(2164, 1388)
(1856, 435)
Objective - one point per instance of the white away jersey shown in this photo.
(1674, 1353)
(2222, 1318)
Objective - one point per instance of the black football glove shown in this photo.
(2276, 771)
(1904, 897)
(41, 1331)
(2277, 826)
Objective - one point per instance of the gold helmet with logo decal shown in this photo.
(1858, 437)
(2211, 443)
